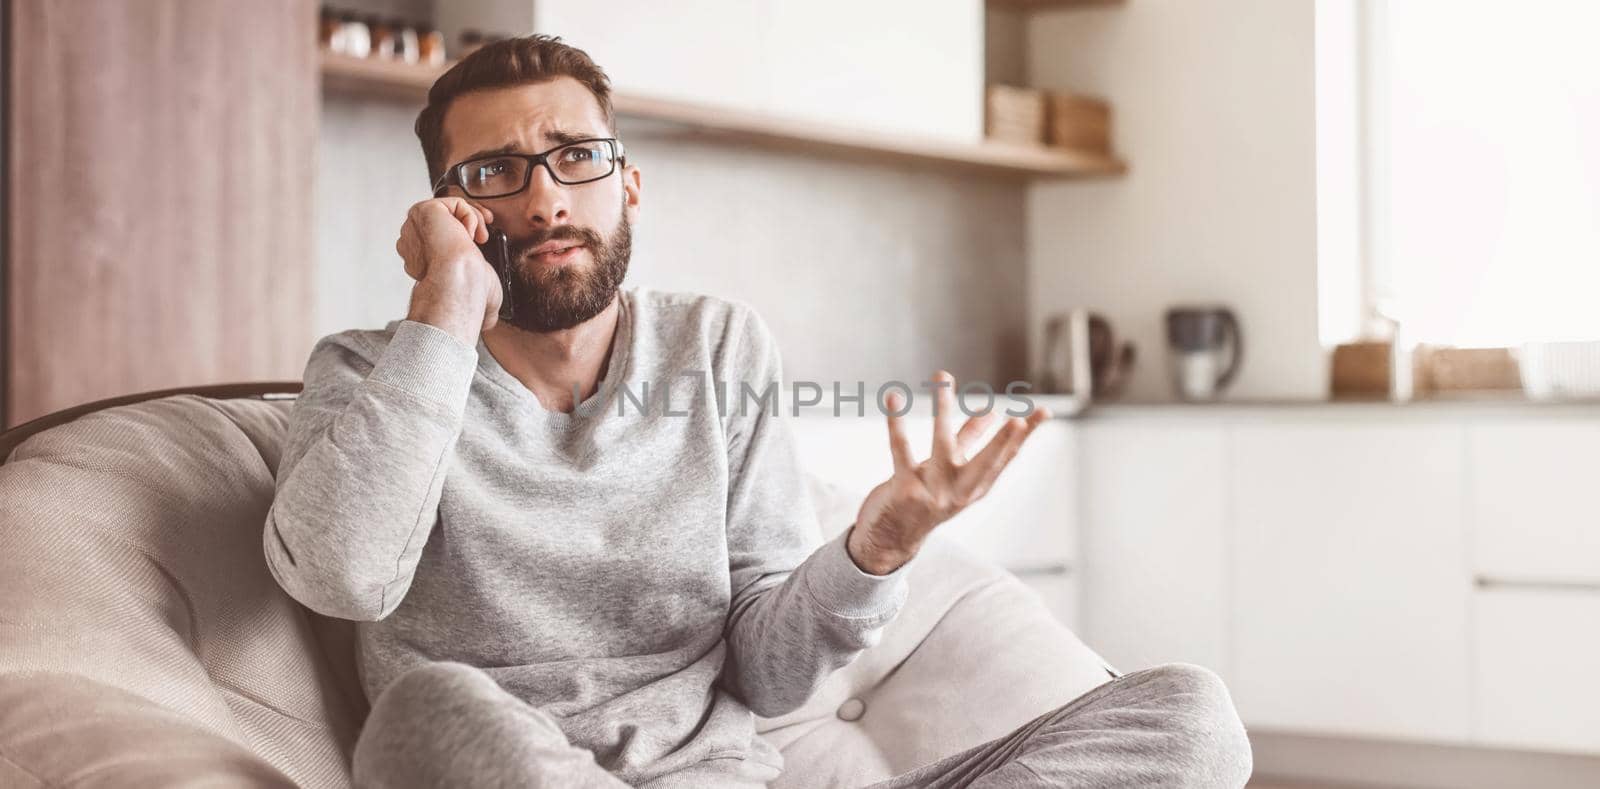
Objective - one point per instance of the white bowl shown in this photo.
(1560, 370)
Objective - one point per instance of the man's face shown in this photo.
(569, 244)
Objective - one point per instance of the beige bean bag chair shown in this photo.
(143, 642)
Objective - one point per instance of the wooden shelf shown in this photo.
(402, 81)
(372, 77)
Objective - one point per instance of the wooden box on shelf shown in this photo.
(1014, 114)
(1470, 370)
(1082, 123)
(1360, 370)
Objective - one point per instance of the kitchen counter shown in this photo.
(1074, 407)
(1442, 407)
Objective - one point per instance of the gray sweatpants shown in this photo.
(447, 724)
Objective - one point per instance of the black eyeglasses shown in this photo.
(506, 174)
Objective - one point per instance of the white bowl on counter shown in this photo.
(1560, 370)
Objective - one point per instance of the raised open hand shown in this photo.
(900, 513)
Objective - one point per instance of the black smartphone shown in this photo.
(498, 252)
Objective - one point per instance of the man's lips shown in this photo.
(555, 251)
(555, 246)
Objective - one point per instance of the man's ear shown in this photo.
(632, 191)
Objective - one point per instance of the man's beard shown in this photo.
(552, 298)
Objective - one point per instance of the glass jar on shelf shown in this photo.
(383, 38)
(430, 47)
(354, 37)
(405, 41)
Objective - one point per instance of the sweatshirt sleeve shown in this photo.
(359, 482)
(801, 607)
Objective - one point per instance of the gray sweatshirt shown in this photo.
(649, 579)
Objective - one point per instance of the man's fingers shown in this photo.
(980, 474)
(899, 444)
(944, 428)
(485, 218)
(406, 247)
(470, 218)
(474, 218)
(972, 429)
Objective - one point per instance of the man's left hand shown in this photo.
(900, 513)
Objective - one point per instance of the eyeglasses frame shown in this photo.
(452, 174)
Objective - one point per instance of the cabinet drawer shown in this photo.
(1155, 543)
(1351, 593)
(1535, 680)
(1535, 508)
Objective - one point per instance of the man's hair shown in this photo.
(502, 64)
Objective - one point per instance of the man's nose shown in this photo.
(545, 201)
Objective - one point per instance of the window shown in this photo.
(1459, 169)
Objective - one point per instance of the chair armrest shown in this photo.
(59, 729)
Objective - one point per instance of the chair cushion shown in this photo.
(130, 556)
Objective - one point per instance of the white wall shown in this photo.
(370, 171)
(863, 272)
(1214, 108)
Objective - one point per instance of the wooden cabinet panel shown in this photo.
(1535, 680)
(158, 196)
(1154, 512)
(1351, 585)
(1534, 513)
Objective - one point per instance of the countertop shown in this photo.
(1453, 406)
(1074, 407)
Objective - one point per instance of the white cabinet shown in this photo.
(849, 451)
(1154, 512)
(1324, 562)
(1536, 543)
(833, 61)
(1535, 502)
(1535, 680)
(1350, 588)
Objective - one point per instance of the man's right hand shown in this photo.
(457, 290)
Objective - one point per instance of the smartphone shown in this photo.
(497, 250)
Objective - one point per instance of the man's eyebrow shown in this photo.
(560, 137)
(509, 147)
(555, 136)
